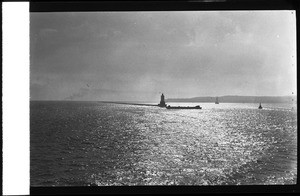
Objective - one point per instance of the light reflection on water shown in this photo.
(109, 144)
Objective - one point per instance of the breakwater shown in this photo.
(139, 104)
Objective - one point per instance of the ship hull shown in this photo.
(184, 108)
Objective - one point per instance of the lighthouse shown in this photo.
(162, 101)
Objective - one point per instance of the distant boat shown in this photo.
(183, 107)
(217, 101)
(259, 107)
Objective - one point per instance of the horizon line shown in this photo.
(239, 96)
(166, 98)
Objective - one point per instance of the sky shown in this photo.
(136, 56)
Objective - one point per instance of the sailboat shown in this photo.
(259, 107)
(217, 101)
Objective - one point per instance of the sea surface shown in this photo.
(100, 144)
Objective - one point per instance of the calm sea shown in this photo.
(93, 143)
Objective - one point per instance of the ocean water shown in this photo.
(93, 143)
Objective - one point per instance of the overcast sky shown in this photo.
(133, 56)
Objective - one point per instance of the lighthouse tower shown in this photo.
(162, 101)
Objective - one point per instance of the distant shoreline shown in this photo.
(238, 99)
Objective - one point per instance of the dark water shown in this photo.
(91, 143)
